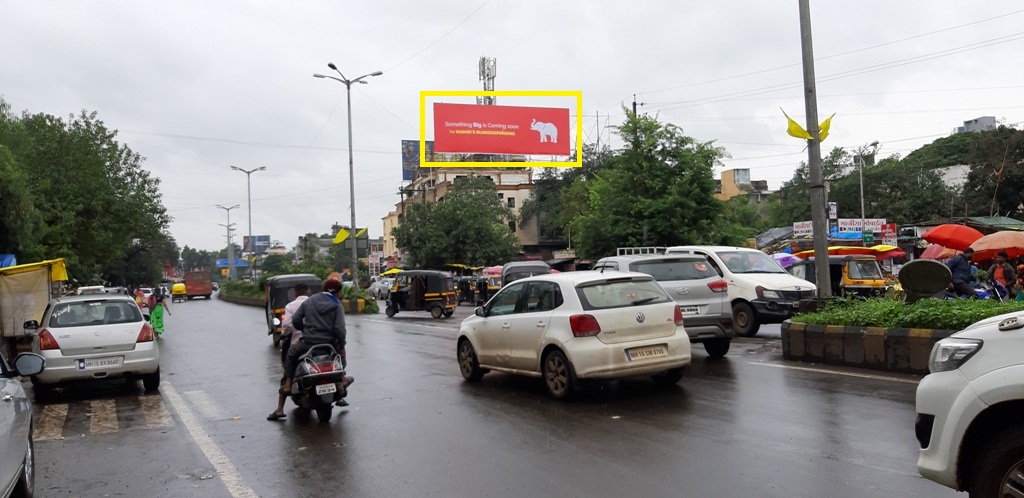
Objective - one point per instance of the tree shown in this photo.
(659, 191)
(277, 263)
(469, 227)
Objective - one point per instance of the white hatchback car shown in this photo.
(577, 325)
(94, 337)
(970, 409)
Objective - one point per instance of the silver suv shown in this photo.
(697, 289)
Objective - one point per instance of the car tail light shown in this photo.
(46, 341)
(584, 325)
(146, 334)
(727, 322)
(719, 286)
(678, 318)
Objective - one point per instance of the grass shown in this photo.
(890, 313)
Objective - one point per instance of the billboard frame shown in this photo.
(578, 94)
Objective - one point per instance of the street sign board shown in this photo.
(868, 236)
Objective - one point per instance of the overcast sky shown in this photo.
(198, 86)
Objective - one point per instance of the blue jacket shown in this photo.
(961, 269)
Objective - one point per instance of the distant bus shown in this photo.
(198, 284)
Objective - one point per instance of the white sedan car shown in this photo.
(90, 337)
(577, 325)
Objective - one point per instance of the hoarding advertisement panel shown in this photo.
(492, 129)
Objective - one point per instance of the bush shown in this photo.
(371, 307)
(927, 313)
(241, 288)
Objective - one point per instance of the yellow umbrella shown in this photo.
(391, 272)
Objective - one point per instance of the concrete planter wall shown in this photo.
(893, 350)
(258, 302)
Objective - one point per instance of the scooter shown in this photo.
(319, 381)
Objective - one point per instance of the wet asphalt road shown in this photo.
(750, 424)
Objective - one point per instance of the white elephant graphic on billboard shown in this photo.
(548, 131)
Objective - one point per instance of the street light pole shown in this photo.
(860, 155)
(351, 170)
(231, 248)
(248, 190)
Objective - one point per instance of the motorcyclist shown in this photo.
(960, 267)
(321, 321)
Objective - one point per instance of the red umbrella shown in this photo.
(938, 251)
(988, 246)
(957, 237)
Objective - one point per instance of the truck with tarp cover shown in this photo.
(25, 290)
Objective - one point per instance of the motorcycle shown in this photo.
(319, 381)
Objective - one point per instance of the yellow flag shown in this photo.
(361, 233)
(823, 129)
(341, 236)
(794, 129)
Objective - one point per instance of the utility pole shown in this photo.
(819, 222)
(231, 248)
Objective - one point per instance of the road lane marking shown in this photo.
(51, 423)
(837, 372)
(103, 418)
(225, 469)
(154, 411)
(202, 401)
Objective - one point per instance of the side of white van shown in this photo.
(760, 291)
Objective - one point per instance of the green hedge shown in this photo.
(241, 288)
(890, 313)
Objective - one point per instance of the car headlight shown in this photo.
(951, 353)
(767, 294)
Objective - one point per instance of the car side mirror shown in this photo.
(479, 311)
(31, 325)
(29, 364)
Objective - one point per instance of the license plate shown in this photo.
(326, 389)
(646, 352)
(91, 363)
(690, 310)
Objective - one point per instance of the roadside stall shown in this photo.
(25, 290)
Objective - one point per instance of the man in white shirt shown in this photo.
(292, 334)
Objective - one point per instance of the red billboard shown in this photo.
(493, 129)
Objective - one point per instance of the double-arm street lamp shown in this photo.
(231, 248)
(351, 175)
(248, 190)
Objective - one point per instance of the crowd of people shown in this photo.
(1010, 275)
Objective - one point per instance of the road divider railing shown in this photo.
(891, 350)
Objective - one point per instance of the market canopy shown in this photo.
(391, 272)
(58, 272)
(986, 248)
(957, 237)
(881, 252)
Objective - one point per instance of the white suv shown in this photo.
(970, 420)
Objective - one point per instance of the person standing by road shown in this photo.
(1003, 272)
(960, 267)
(292, 336)
(156, 315)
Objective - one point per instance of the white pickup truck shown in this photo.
(760, 291)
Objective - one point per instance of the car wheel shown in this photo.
(998, 470)
(668, 378)
(323, 412)
(558, 376)
(468, 363)
(744, 320)
(717, 348)
(26, 486)
(151, 382)
(390, 311)
(436, 311)
(42, 392)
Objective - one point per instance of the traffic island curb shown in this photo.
(257, 302)
(891, 350)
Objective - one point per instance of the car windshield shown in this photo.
(676, 269)
(865, 270)
(749, 262)
(85, 313)
(620, 293)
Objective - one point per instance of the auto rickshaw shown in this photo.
(278, 291)
(486, 287)
(178, 292)
(858, 275)
(423, 290)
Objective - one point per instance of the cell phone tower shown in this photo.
(488, 70)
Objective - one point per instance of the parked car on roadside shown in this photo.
(698, 290)
(570, 327)
(969, 421)
(17, 471)
(89, 337)
(760, 291)
(380, 286)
